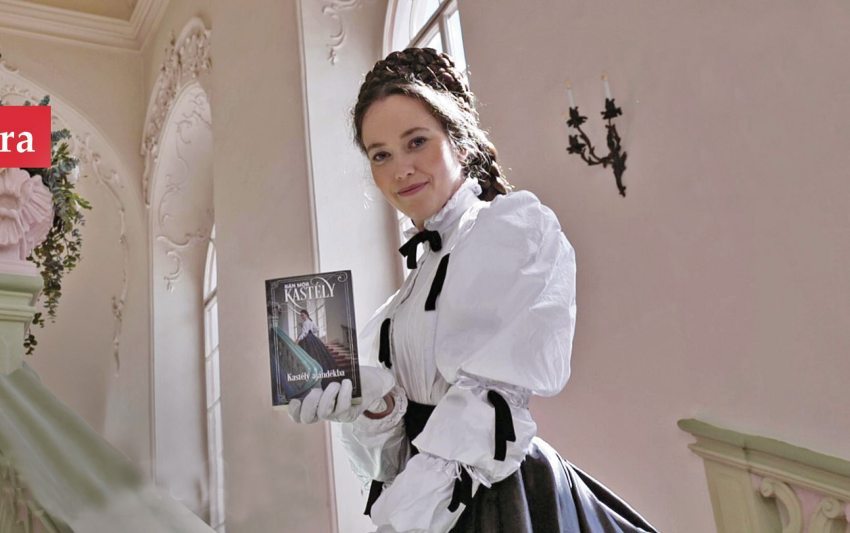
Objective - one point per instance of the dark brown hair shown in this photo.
(432, 78)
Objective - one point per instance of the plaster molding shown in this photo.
(6, 67)
(332, 10)
(783, 474)
(188, 240)
(111, 180)
(175, 245)
(771, 458)
(91, 164)
(187, 58)
(829, 517)
(47, 21)
(786, 498)
(198, 113)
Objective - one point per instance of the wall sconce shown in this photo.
(616, 156)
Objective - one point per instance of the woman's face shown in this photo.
(413, 162)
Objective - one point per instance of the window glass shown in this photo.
(421, 12)
(213, 386)
(456, 40)
(436, 42)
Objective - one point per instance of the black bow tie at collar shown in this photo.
(408, 249)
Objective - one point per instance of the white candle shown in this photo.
(607, 87)
(570, 95)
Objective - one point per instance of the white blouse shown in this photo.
(504, 321)
(306, 327)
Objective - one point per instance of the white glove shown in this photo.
(334, 402)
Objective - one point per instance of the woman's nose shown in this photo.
(404, 167)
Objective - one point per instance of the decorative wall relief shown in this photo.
(112, 182)
(187, 59)
(176, 245)
(332, 10)
(184, 163)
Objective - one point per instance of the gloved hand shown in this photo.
(334, 402)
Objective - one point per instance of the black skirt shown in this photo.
(318, 351)
(546, 494)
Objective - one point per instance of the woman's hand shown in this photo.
(334, 402)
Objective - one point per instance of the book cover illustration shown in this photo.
(312, 334)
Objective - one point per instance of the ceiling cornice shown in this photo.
(47, 21)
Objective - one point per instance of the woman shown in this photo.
(484, 320)
(309, 340)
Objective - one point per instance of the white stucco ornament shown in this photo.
(26, 215)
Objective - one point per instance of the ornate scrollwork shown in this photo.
(332, 10)
(198, 113)
(829, 517)
(785, 496)
(187, 58)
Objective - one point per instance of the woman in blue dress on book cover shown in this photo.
(443, 438)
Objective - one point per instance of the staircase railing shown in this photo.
(57, 474)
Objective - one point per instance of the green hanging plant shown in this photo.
(61, 251)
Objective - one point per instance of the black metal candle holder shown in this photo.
(616, 156)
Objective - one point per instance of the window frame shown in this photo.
(215, 459)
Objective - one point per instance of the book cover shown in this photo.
(312, 334)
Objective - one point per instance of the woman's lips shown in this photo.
(412, 190)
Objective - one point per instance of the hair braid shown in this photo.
(432, 78)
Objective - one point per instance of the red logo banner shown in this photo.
(25, 137)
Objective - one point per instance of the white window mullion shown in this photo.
(445, 38)
(213, 392)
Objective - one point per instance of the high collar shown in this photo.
(444, 220)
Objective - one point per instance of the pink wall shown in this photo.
(718, 288)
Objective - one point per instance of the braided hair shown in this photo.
(432, 78)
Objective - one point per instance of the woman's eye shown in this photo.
(377, 157)
(417, 142)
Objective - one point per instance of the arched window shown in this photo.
(427, 24)
(213, 386)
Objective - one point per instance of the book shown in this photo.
(312, 334)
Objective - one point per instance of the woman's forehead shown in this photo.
(389, 118)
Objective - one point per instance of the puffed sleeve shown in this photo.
(504, 331)
(376, 448)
